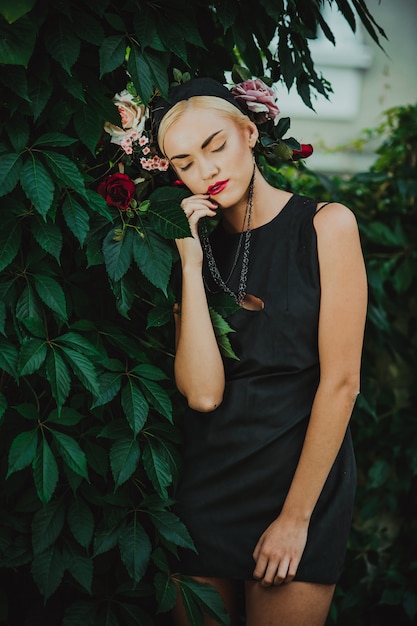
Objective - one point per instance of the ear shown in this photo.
(253, 134)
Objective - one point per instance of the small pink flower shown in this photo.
(128, 149)
(146, 150)
(258, 98)
(143, 140)
(163, 165)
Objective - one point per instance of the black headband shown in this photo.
(187, 90)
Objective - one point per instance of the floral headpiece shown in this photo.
(139, 124)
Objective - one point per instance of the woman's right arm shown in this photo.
(198, 367)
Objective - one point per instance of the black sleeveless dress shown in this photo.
(239, 460)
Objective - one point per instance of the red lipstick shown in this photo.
(217, 187)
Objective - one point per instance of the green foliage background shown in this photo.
(89, 447)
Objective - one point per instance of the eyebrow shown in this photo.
(203, 145)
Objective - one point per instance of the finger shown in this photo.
(270, 574)
(281, 575)
(261, 565)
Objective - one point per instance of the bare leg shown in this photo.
(227, 590)
(291, 604)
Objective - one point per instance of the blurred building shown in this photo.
(365, 80)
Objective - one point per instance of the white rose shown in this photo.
(132, 115)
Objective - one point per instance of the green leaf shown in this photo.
(37, 185)
(48, 570)
(157, 397)
(166, 216)
(159, 316)
(110, 383)
(134, 406)
(22, 451)
(10, 167)
(112, 53)
(106, 539)
(67, 417)
(10, 240)
(19, 131)
(28, 411)
(158, 64)
(17, 42)
(81, 521)
(62, 44)
(165, 591)
(72, 454)
(88, 123)
(58, 377)
(153, 257)
(79, 565)
(156, 466)
(118, 254)
(171, 528)
(65, 170)
(124, 459)
(48, 235)
(8, 357)
(12, 10)
(76, 218)
(83, 368)
(32, 355)
(47, 525)
(207, 598)
(227, 13)
(45, 471)
(39, 93)
(51, 293)
(97, 203)
(79, 343)
(54, 140)
(151, 372)
(135, 549)
(173, 39)
(282, 127)
(141, 74)
(124, 291)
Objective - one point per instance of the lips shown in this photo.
(217, 187)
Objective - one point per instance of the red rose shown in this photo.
(305, 151)
(118, 190)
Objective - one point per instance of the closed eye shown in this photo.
(186, 167)
(220, 148)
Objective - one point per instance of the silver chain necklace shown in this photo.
(244, 235)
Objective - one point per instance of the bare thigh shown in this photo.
(292, 604)
(226, 589)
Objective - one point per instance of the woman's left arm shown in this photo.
(340, 336)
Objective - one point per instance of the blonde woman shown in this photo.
(269, 470)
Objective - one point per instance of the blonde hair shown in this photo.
(212, 103)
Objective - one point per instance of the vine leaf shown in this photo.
(124, 459)
(22, 451)
(135, 549)
(45, 471)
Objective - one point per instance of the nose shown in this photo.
(208, 169)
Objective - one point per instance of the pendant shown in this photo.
(252, 303)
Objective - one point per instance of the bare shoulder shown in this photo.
(335, 221)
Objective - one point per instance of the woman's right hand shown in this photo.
(195, 207)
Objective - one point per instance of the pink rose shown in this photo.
(118, 190)
(258, 98)
(132, 117)
(305, 151)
